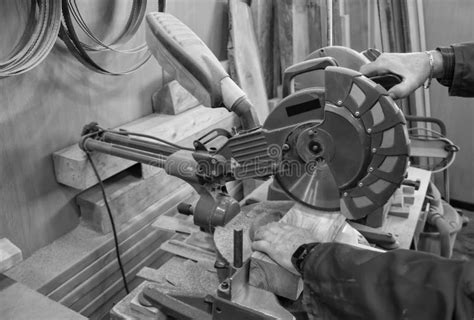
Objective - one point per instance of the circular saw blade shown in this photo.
(315, 188)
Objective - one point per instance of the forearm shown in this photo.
(345, 282)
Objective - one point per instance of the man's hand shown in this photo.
(280, 240)
(414, 68)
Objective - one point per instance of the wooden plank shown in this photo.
(55, 264)
(184, 250)
(174, 224)
(86, 295)
(159, 275)
(201, 240)
(22, 303)
(263, 21)
(337, 23)
(246, 58)
(285, 32)
(120, 307)
(73, 169)
(74, 290)
(301, 30)
(102, 295)
(268, 275)
(127, 196)
(404, 228)
(173, 99)
(10, 255)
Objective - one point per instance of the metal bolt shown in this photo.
(374, 150)
(357, 113)
(369, 130)
(339, 102)
(371, 169)
(225, 285)
(361, 184)
(285, 147)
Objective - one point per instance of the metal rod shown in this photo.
(238, 248)
(124, 152)
(139, 143)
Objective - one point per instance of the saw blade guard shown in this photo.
(358, 153)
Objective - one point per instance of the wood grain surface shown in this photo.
(246, 58)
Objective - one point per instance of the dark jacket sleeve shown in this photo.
(459, 69)
(344, 282)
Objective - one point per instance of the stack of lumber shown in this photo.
(191, 270)
(80, 269)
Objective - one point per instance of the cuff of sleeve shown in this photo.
(299, 256)
(448, 65)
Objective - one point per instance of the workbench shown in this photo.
(195, 252)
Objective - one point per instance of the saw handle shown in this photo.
(304, 67)
(184, 56)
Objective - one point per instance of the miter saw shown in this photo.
(339, 145)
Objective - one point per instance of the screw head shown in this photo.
(361, 184)
(225, 285)
(339, 102)
(310, 133)
(371, 169)
(213, 161)
(357, 113)
(345, 194)
(285, 147)
(369, 130)
(374, 150)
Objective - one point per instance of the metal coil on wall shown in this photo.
(37, 40)
(45, 24)
(79, 49)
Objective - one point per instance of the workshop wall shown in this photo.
(44, 110)
(448, 22)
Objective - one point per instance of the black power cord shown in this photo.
(112, 222)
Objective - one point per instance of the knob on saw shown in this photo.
(358, 153)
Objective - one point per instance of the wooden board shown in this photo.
(127, 195)
(103, 295)
(191, 252)
(10, 255)
(174, 224)
(67, 257)
(116, 300)
(403, 228)
(72, 167)
(246, 58)
(263, 12)
(268, 275)
(22, 303)
(173, 99)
